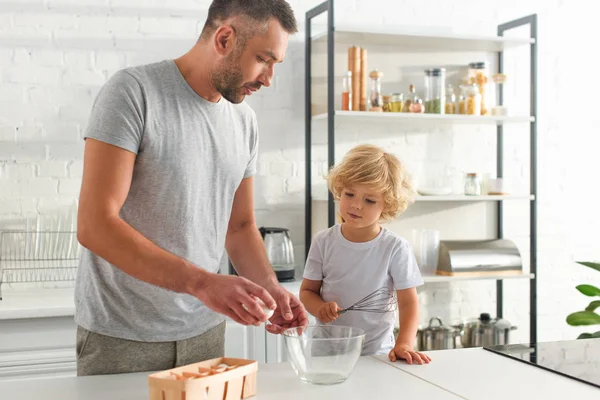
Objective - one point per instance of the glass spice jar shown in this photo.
(472, 184)
(376, 97)
(397, 102)
(450, 101)
(473, 100)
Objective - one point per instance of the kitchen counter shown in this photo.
(41, 303)
(36, 303)
(471, 374)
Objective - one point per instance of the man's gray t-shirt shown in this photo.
(191, 157)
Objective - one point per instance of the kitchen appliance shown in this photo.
(323, 355)
(280, 251)
(479, 257)
(437, 337)
(486, 331)
(575, 359)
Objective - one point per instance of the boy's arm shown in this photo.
(408, 310)
(310, 295)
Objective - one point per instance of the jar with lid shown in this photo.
(451, 107)
(479, 75)
(473, 100)
(347, 91)
(397, 102)
(376, 97)
(410, 98)
(435, 88)
(472, 184)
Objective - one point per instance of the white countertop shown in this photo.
(36, 303)
(473, 374)
(40, 303)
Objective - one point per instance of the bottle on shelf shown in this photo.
(498, 109)
(473, 100)
(410, 98)
(417, 106)
(347, 91)
(450, 107)
(376, 97)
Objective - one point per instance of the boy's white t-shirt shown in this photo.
(350, 271)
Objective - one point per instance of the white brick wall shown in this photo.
(55, 55)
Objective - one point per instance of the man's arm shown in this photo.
(107, 175)
(246, 250)
(244, 244)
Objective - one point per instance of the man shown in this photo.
(167, 186)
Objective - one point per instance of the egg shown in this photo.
(264, 307)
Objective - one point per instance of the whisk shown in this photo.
(381, 301)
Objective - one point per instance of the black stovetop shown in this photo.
(576, 359)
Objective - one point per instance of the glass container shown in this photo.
(397, 102)
(473, 100)
(451, 105)
(435, 89)
(479, 75)
(376, 97)
(472, 184)
(323, 355)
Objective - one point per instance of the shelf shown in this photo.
(366, 116)
(441, 278)
(474, 198)
(450, 198)
(443, 41)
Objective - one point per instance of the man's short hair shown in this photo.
(257, 12)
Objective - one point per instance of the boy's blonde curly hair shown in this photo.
(371, 166)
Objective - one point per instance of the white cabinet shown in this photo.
(35, 347)
(245, 341)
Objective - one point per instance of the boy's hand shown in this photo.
(404, 351)
(328, 312)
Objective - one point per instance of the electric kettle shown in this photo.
(280, 251)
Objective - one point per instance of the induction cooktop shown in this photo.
(575, 359)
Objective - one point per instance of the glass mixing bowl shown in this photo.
(323, 355)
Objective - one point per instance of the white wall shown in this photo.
(55, 55)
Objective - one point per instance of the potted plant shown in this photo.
(589, 315)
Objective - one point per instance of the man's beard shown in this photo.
(228, 80)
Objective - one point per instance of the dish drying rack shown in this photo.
(38, 256)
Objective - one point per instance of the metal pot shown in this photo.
(440, 337)
(485, 331)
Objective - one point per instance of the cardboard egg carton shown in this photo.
(217, 379)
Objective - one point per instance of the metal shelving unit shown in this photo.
(326, 40)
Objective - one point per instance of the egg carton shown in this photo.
(217, 379)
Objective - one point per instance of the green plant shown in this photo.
(589, 315)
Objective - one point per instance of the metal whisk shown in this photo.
(381, 301)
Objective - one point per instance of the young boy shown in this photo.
(355, 258)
